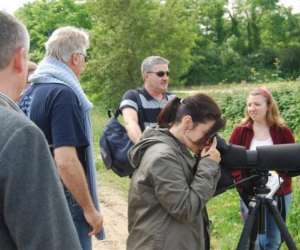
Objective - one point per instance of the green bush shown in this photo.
(264, 58)
(206, 68)
(287, 96)
(290, 62)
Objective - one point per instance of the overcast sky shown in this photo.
(12, 5)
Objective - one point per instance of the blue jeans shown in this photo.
(271, 240)
(82, 227)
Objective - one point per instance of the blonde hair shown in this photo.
(273, 116)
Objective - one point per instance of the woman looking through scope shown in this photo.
(262, 126)
(176, 174)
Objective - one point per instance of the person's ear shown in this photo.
(187, 122)
(74, 59)
(19, 60)
(145, 76)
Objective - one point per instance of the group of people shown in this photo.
(48, 179)
(37, 211)
(176, 158)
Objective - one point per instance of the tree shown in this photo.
(42, 17)
(233, 41)
(127, 31)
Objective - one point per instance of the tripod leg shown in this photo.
(281, 225)
(244, 242)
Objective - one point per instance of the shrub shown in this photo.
(290, 62)
(232, 103)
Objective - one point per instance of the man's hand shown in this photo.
(72, 175)
(95, 219)
(211, 151)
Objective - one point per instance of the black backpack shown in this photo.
(115, 144)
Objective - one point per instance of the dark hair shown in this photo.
(200, 107)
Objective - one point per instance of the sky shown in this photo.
(293, 3)
(11, 5)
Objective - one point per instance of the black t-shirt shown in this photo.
(55, 109)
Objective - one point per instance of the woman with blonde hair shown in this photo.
(262, 126)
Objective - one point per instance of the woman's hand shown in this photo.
(211, 151)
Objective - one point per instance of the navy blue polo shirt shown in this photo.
(55, 109)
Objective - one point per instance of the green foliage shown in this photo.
(294, 212)
(287, 98)
(233, 106)
(288, 102)
(205, 67)
(226, 221)
(290, 62)
(205, 41)
(42, 17)
(243, 43)
(125, 32)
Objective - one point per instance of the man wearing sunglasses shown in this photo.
(140, 107)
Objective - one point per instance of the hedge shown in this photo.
(287, 95)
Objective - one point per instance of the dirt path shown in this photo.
(114, 210)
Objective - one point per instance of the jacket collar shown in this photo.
(249, 125)
(6, 102)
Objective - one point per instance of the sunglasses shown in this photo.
(160, 73)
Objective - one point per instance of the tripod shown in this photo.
(262, 201)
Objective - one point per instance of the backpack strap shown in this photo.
(140, 110)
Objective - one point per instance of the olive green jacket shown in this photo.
(168, 194)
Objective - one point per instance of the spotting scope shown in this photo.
(279, 157)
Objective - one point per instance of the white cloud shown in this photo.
(295, 4)
(12, 5)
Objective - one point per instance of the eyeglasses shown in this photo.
(84, 56)
(160, 73)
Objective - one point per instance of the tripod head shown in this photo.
(260, 184)
(266, 184)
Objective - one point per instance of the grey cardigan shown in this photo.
(33, 210)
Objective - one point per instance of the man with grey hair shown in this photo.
(33, 211)
(57, 104)
(141, 107)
